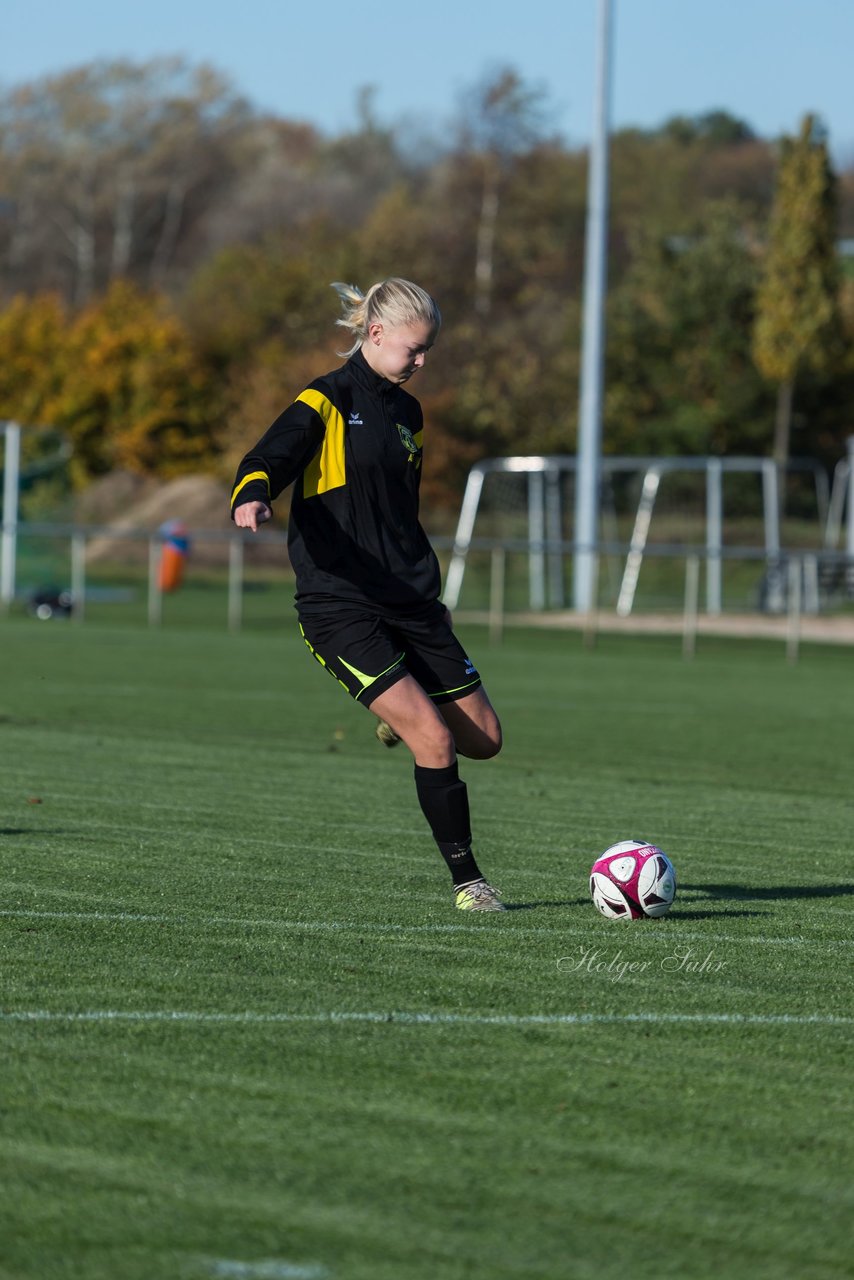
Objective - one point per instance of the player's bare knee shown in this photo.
(432, 745)
(442, 741)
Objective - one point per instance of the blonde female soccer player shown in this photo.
(367, 578)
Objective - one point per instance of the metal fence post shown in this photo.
(554, 534)
(155, 596)
(235, 584)
(78, 576)
(714, 535)
(692, 601)
(536, 540)
(812, 592)
(497, 579)
(793, 631)
(591, 617)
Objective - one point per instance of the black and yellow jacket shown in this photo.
(352, 442)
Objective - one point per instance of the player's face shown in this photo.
(397, 351)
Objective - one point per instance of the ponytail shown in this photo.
(390, 302)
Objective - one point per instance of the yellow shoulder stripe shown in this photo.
(253, 475)
(326, 469)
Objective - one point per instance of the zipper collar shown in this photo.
(368, 377)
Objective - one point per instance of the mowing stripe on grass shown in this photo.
(360, 926)
(412, 1018)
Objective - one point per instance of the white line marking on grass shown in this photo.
(409, 1018)
(308, 926)
(323, 926)
(264, 1269)
(91, 915)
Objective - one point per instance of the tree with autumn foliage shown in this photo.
(33, 335)
(135, 397)
(161, 174)
(120, 379)
(798, 324)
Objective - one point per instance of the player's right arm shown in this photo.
(249, 515)
(282, 453)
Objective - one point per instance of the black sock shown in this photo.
(444, 802)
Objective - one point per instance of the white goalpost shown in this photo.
(529, 514)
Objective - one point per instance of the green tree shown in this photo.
(680, 378)
(279, 289)
(717, 128)
(798, 322)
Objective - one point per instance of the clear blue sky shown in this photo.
(767, 61)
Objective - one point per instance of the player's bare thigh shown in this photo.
(414, 718)
(434, 734)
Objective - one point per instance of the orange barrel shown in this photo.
(173, 555)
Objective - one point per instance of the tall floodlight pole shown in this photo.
(9, 531)
(593, 331)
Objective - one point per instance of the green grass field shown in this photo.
(244, 1033)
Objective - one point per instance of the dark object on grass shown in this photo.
(50, 602)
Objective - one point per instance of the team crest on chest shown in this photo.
(407, 439)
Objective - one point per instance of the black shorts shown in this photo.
(367, 654)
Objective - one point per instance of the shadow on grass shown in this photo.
(32, 831)
(747, 893)
(682, 914)
(533, 906)
(679, 913)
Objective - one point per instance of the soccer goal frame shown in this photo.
(13, 474)
(546, 548)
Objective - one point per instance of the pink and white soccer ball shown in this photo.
(631, 880)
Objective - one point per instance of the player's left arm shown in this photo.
(281, 454)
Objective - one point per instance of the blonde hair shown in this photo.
(390, 302)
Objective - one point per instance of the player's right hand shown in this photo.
(249, 515)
